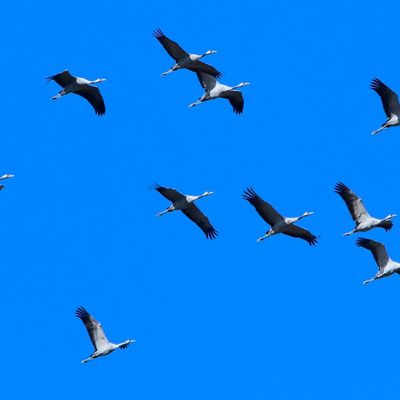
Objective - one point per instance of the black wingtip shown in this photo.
(249, 194)
(313, 241)
(158, 33)
(362, 242)
(81, 312)
(340, 188)
(376, 84)
(211, 234)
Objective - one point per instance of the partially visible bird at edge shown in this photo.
(390, 102)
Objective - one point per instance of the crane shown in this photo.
(81, 86)
(102, 345)
(185, 203)
(385, 264)
(278, 223)
(184, 59)
(214, 90)
(364, 222)
(390, 103)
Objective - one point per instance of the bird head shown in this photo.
(98, 80)
(307, 213)
(210, 52)
(390, 216)
(208, 193)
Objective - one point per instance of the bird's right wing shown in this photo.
(353, 202)
(171, 47)
(94, 328)
(93, 96)
(296, 231)
(236, 99)
(266, 211)
(207, 81)
(201, 220)
(390, 100)
(199, 66)
(63, 78)
(377, 249)
(169, 193)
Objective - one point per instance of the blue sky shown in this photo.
(228, 318)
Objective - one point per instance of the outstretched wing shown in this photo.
(199, 66)
(63, 78)
(353, 202)
(236, 99)
(201, 220)
(94, 328)
(390, 101)
(377, 249)
(264, 209)
(171, 47)
(169, 193)
(93, 96)
(297, 232)
(207, 81)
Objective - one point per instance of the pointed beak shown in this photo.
(260, 239)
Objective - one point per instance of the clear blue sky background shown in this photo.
(222, 319)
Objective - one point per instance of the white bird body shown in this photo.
(385, 264)
(101, 344)
(364, 222)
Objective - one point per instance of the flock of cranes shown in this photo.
(208, 77)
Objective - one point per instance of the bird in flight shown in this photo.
(81, 86)
(102, 346)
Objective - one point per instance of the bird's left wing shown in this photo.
(63, 78)
(93, 96)
(264, 209)
(171, 47)
(390, 100)
(207, 81)
(94, 328)
(199, 66)
(169, 193)
(201, 220)
(236, 99)
(297, 232)
(353, 202)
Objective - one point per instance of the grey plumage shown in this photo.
(364, 222)
(101, 344)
